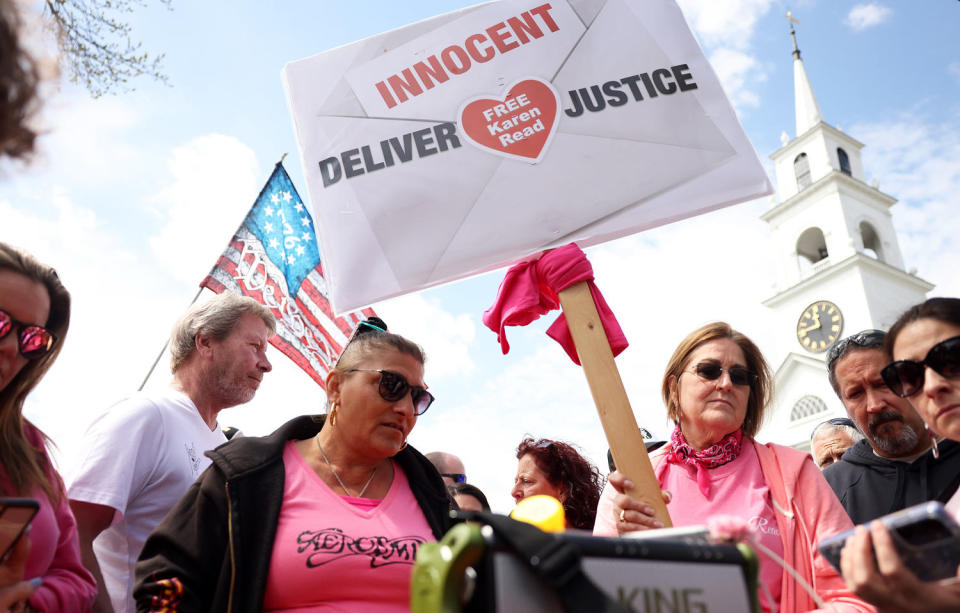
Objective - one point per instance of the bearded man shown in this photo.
(893, 467)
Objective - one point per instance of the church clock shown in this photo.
(819, 326)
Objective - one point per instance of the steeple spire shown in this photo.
(807, 109)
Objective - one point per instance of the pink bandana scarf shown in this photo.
(716, 455)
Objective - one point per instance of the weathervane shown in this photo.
(793, 34)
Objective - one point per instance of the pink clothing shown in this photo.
(529, 290)
(953, 506)
(736, 488)
(718, 454)
(806, 512)
(330, 555)
(54, 550)
(364, 504)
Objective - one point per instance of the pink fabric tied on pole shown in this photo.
(529, 290)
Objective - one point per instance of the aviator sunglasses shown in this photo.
(394, 386)
(33, 341)
(710, 371)
(905, 377)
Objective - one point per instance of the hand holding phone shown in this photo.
(926, 538)
(15, 515)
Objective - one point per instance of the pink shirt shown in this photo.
(332, 555)
(54, 550)
(737, 489)
(953, 505)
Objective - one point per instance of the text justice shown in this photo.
(660, 81)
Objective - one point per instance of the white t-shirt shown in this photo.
(139, 458)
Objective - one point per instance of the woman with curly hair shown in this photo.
(556, 469)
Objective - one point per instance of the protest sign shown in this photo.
(472, 140)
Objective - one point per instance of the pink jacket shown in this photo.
(807, 512)
(67, 586)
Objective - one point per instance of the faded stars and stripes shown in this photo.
(274, 258)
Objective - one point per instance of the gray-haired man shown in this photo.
(141, 456)
(831, 439)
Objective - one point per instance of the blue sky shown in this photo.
(132, 198)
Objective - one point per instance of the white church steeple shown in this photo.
(805, 103)
(840, 269)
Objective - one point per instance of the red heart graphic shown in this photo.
(519, 125)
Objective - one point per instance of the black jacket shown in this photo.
(212, 551)
(869, 486)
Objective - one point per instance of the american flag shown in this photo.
(274, 258)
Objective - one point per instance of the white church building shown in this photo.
(839, 266)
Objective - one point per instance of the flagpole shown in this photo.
(167, 342)
(165, 345)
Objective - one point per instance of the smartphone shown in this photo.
(926, 537)
(15, 515)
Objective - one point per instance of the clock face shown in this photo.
(819, 326)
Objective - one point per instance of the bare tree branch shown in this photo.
(97, 46)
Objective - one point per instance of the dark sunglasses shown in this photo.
(33, 341)
(710, 371)
(457, 477)
(905, 377)
(864, 340)
(394, 386)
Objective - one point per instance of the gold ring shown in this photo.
(623, 515)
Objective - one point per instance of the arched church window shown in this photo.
(844, 160)
(801, 167)
(811, 247)
(807, 406)
(871, 241)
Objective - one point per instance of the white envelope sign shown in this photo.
(471, 140)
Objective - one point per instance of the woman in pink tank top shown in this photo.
(325, 514)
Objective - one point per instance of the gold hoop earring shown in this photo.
(333, 414)
(402, 447)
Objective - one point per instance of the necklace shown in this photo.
(337, 477)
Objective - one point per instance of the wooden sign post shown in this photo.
(619, 424)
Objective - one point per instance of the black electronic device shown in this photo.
(925, 535)
(473, 570)
(15, 515)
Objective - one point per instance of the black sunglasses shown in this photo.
(905, 377)
(457, 477)
(864, 340)
(711, 371)
(394, 386)
(33, 341)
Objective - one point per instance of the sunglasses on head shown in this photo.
(864, 340)
(905, 377)
(457, 477)
(33, 341)
(711, 371)
(394, 386)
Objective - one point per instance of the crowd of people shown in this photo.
(164, 513)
